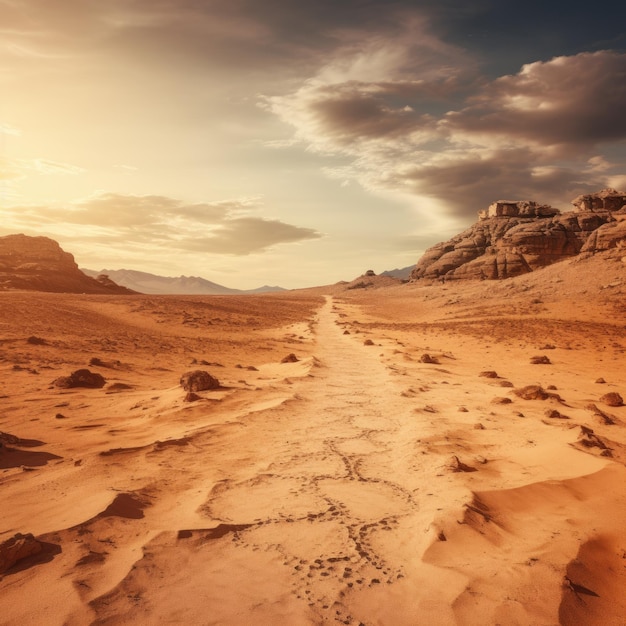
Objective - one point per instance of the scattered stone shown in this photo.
(198, 380)
(478, 426)
(118, 387)
(554, 414)
(505, 383)
(346, 332)
(251, 368)
(612, 399)
(368, 342)
(36, 341)
(290, 358)
(500, 400)
(589, 439)
(427, 358)
(80, 378)
(551, 387)
(542, 359)
(489, 374)
(608, 419)
(600, 381)
(462, 409)
(191, 397)
(17, 548)
(441, 536)
(59, 416)
(536, 392)
(458, 466)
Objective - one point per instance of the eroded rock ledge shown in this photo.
(513, 238)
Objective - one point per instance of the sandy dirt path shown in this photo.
(321, 516)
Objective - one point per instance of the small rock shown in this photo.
(499, 400)
(600, 381)
(462, 409)
(59, 416)
(427, 358)
(489, 374)
(535, 392)
(191, 397)
(478, 426)
(290, 358)
(17, 548)
(612, 399)
(36, 341)
(554, 414)
(119, 387)
(542, 359)
(368, 342)
(198, 380)
(346, 332)
(459, 466)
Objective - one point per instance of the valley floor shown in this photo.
(363, 483)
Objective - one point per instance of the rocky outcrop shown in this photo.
(17, 548)
(40, 264)
(80, 378)
(513, 238)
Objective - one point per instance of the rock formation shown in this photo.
(513, 238)
(17, 548)
(198, 380)
(80, 378)
(39, 264)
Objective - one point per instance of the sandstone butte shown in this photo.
(517, 237)
(40, 264)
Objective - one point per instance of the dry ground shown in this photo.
(358, 485)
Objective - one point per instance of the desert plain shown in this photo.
(374, 454)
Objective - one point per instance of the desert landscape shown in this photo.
(365, 453)
(312, 313)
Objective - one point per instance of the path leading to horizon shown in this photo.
(322, 511)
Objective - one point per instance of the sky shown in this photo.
(298, 143)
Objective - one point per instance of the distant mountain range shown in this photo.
(144, 282)
(403, 273)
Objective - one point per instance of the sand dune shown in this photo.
(359, 484)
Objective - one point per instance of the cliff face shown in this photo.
(39, 264)
(513, 238)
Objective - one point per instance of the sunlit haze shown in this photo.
(297, 143)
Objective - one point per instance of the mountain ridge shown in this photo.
(148, 283)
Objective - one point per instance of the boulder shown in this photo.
(612, 399)
(17, 548)
(198, 380)
(80, 378)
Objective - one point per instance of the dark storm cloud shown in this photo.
(473, 181)
(565, 101)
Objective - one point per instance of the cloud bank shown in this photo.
(164, 223)
(539, 132)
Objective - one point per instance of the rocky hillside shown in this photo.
(513, 238)
(39, 264)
